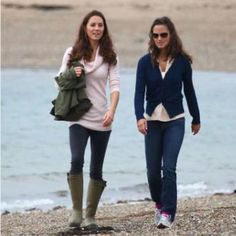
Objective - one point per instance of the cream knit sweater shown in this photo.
(98, 74)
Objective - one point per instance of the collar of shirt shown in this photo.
(168, 65)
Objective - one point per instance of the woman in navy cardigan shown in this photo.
(161, 74)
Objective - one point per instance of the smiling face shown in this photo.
(161, 36)
(95, 28)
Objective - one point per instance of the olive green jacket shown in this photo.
(71, 102)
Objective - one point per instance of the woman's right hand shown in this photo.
(78, 70)
(142, 126)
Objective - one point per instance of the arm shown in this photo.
(65, 59)
(114, 83)
(191, 99)
(109, 115)
(139, 94)
(63, 66)
(140, 88)
(114, 101)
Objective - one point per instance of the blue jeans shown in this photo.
(162, 145)
(78, 141)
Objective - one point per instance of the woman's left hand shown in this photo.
(195, 128)
(78, 71)
(108, 118)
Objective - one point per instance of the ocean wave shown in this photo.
(25, 204)
(49, 175)
(111, 195)
(38, 175)
(193, 190)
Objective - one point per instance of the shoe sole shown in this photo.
(74, 225)
(161, 226)
(91, 227)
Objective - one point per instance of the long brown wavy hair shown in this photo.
(82, 48)
(175, 46)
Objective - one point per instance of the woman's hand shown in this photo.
(195, 128)
(78, 70)
(142, 126)
(108, 118)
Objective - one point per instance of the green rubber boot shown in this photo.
(76, 189)
(95, 190)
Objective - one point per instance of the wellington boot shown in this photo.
(76, 189)
(95, 190)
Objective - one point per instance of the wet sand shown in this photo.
(210, 215)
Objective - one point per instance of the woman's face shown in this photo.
(95, 28)
(161, 36)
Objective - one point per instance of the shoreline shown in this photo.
(209, 215)
(108, 203)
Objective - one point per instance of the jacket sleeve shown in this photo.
(190, 94)
(67, 80)
(139, 94)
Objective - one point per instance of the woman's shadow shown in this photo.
(87, 231)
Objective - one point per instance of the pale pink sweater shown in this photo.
(97, 76)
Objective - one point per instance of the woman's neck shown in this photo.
(94, 45)
(162, 56)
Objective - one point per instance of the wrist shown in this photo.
(113, 110)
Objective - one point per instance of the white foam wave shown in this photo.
(25, 204)
(193, 190)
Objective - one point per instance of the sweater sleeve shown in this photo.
(114, 77)
(139, 91)
(63, 67)
(65, 59)
(190, 95)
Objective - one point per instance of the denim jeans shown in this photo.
(79, 136)
(162, 145)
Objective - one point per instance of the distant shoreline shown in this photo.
(40, 31)
(209, 215)
(122, 69)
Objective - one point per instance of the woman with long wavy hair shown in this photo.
(93, 48)
(160, 76)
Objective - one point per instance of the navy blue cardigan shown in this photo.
(168, 91)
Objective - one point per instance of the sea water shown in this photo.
(36, 156)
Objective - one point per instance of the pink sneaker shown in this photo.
(157, 216)
(165, 221)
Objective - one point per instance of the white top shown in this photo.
(160, 112)
(97, 74)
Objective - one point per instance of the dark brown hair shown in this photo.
(175, 46)
(82, 47)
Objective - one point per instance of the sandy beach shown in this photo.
(212, 215)
(35, 33)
